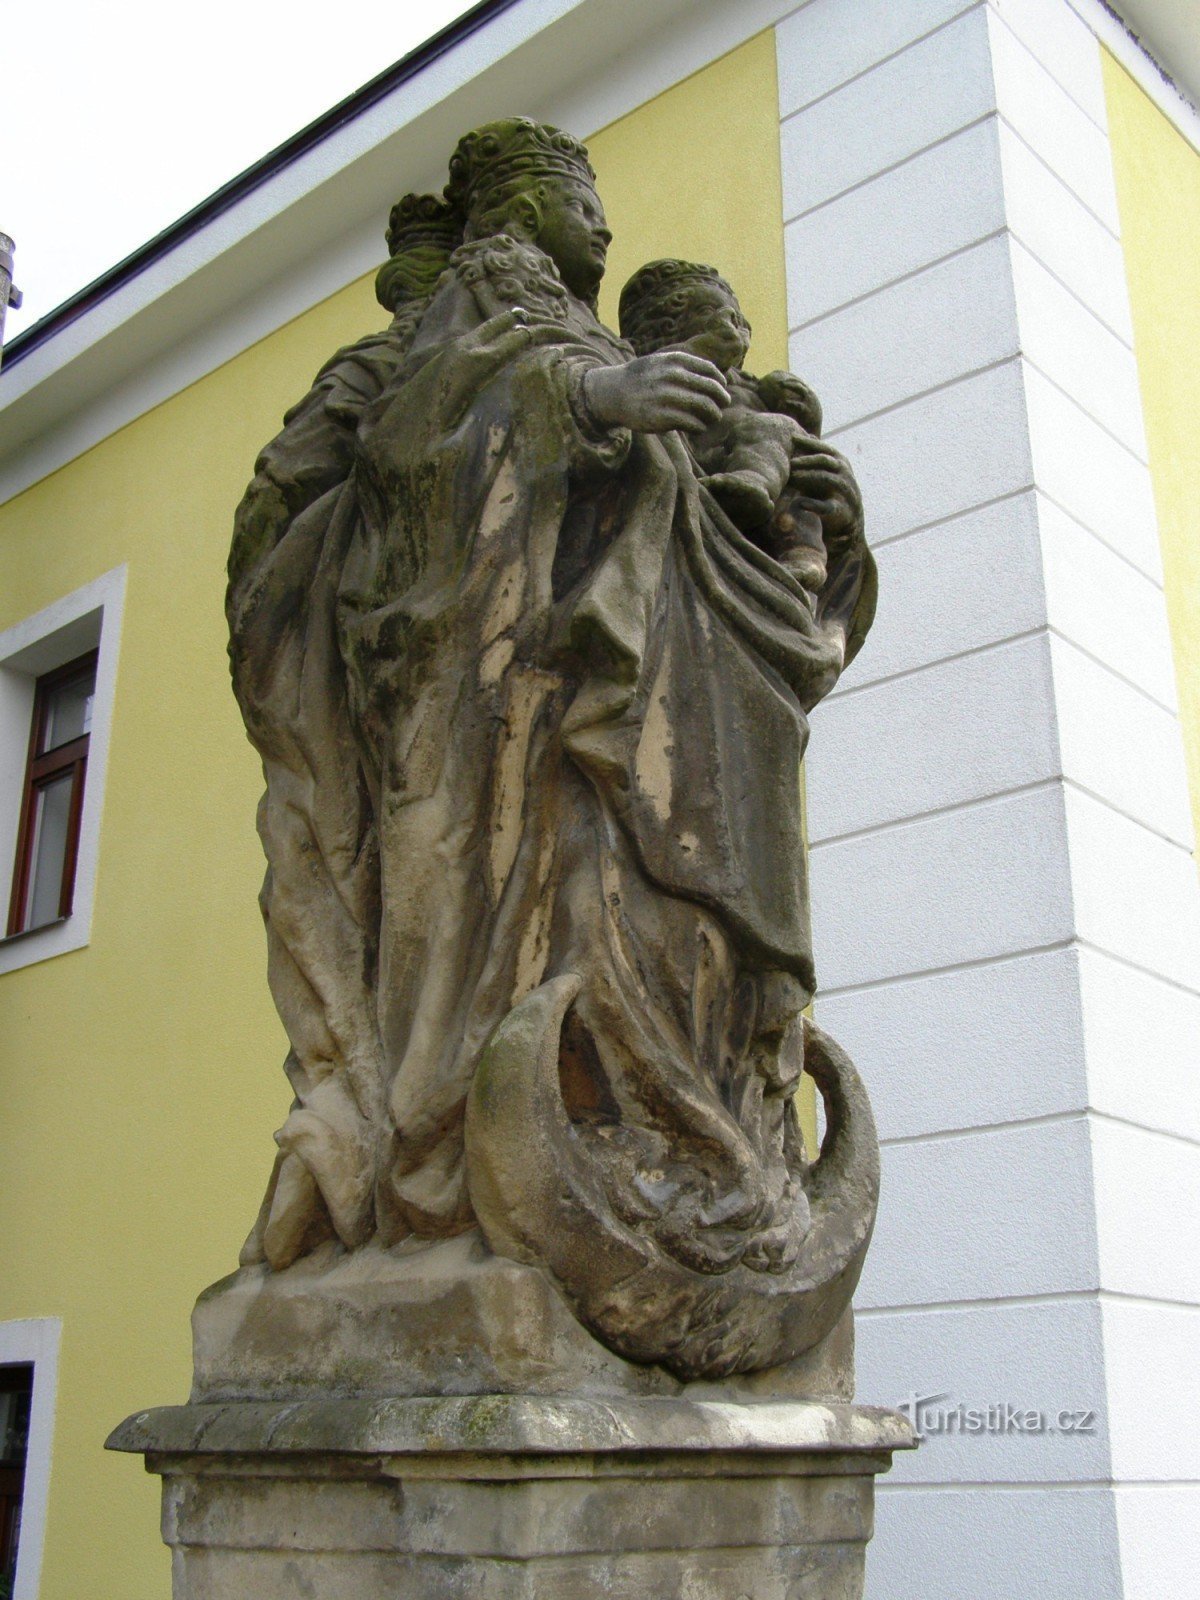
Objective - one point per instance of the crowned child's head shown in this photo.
(670, 305)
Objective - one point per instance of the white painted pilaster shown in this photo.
(1006, 906)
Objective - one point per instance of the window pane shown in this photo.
(68, 710)
(16, 1394)
(51, 816)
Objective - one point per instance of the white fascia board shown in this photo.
(316, 225)
(1158, 44)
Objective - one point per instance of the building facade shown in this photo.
(974, 229)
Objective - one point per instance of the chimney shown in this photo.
(9, 296)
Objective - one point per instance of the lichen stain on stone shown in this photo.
(653, 764)
(495, 661)
(535, 940)
(526, 693)
(497, 507)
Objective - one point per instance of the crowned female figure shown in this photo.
(532, 709)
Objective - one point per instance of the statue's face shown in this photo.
(573, 233)
(714, 327)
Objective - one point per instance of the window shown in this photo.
(52, 802)
(58, 673)
(16, 1402)
(28, 1383)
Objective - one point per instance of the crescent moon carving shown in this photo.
(539, 1200)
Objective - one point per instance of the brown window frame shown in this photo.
(41, 770)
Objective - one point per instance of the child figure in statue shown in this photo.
(746, 457)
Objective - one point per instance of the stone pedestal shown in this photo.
(516, 1497)
(434, 1423)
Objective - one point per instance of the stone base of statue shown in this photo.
(435, 1424)
(447, 1318)
(516, 1497)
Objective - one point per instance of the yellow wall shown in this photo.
(140, 1077)
(712, 194)
(1158, 191)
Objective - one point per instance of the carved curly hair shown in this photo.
(505, 273)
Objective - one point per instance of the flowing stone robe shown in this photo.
(530, 705)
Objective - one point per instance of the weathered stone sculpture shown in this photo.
(532, 741)
(526, 622)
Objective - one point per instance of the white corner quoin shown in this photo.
(1006, 908)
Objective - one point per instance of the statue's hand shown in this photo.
(827, 486)
(497, 341)
(657, 393)
(449, 384)
(509, 332)
(790, 395)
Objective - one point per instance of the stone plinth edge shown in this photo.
(502, 1424)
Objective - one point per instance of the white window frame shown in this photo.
(88, 619)
(34, 1341)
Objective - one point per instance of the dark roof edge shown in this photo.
(262, 171)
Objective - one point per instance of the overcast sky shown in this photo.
(120, 115)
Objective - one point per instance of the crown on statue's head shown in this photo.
(423, 219)
(423, 232)
(494, 161)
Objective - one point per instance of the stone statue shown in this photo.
(546, 1298)
(526, 623)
